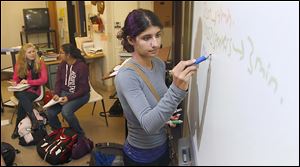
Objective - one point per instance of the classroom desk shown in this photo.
(12, 52)
(53, 65)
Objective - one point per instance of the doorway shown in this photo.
(76, 20)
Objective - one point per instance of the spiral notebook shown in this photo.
(19, 87)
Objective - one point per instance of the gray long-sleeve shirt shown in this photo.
(145, 116)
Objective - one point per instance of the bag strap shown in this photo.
(145, 78)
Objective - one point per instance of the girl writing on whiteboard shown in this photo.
(146, 143)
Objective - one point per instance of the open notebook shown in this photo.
(19, 87)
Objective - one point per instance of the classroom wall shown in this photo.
(11, 24)
(107, 40)
(62, 22)
(243, 103)
(12, 21)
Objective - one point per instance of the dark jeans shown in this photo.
(164, 160)
(68, 112)
(25, 104)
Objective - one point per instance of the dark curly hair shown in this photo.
(136, 22)
(74, 52)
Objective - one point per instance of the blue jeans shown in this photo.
(68, 112)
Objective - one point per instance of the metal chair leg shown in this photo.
(104, 112)
(94, 108)
(12, 117)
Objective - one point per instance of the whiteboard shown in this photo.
(243, 103)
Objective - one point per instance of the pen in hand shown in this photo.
(202, 58)
(198, 61)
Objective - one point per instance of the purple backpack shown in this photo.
(82, 147)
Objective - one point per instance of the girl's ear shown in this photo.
(130, 40)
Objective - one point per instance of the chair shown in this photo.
(15, 102)
(94, 97)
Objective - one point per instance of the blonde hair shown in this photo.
(22, 61)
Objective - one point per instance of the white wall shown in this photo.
(62, 22)
(12, 20)
(246, 112)
(167, 37)
(146, 5)
(114, 12)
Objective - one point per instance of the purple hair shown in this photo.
(136, 22)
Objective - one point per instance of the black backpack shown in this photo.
(37, 135)
(115, 110)
(29, 137)
(8, 152)
(56, 148)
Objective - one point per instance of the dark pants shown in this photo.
(25, 105)
(164, 160)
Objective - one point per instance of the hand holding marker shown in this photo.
(198, 61)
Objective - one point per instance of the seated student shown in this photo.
(72, 85)
(29, 69)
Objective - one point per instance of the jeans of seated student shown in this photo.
(25, 104)
(68, 112)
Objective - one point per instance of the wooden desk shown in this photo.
(53, 65)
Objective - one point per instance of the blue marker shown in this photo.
(202, 58)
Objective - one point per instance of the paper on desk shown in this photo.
(4, 122)
(19, 87)
(117, 67)
(113, 73)
(52, 102)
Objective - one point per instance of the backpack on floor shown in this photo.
(56, 148)
(107, 154)
(115, 110)
(8, 152)
(82, 147)
(28, 136)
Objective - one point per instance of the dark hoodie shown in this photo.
(73, 79)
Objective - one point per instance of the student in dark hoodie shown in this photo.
(72, 87)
